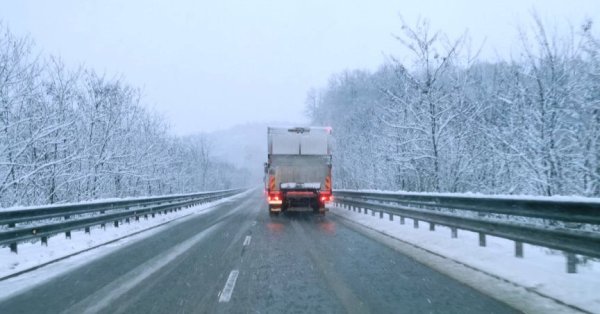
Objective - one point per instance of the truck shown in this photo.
(298, 169)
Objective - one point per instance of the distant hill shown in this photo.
(244, 145)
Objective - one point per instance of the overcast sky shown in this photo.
(208, 65)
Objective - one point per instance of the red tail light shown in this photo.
(325, 197)
(275, 198)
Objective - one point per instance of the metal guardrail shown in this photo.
(42, 222)
(550, 229)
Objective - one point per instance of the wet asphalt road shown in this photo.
(293, 263)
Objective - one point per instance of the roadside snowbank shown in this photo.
(541, 270)
(33, 254)
(558, 198)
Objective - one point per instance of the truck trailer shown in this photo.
(298, 169)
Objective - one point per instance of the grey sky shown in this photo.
(208, 65)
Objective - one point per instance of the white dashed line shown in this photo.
(99, 300)
(229, 285)
(247, 240)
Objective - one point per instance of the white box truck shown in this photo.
(298, 170)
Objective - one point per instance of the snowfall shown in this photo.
(541, 270)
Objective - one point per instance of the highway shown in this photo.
(238, 259)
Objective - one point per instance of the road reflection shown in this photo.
(275, 227)
(327, 226)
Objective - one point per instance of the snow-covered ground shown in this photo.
(96, 201)
(541, 270)
(561, 198)
(94, 244)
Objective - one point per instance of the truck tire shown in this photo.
(314, 203)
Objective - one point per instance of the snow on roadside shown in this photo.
(561, 198)
(541, 270)
(33, 254)
(96, 201)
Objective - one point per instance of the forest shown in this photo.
(69, 135)
(447, 120)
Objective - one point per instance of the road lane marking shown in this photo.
(349, 300)
(522, 299)
(104, 297)
(229, 285)
(247, 240)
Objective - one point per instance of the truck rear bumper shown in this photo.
(300, 194)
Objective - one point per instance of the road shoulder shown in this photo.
(502, 290)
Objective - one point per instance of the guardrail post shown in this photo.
(13, 247)
(87, 229)
(116, 224)
(519, 249)
(45, 240)
(372, 212)
(11, 225)
(127, 220)
(481, 239)
(431, 226)
(137, 218)
(571, 263)
(68, 234)
(381, 214)
(454, 232)
(401, 220)
(416, 223)
(391, 216)
(153, 214)
(103, 226)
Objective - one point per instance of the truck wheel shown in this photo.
(314, 203)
